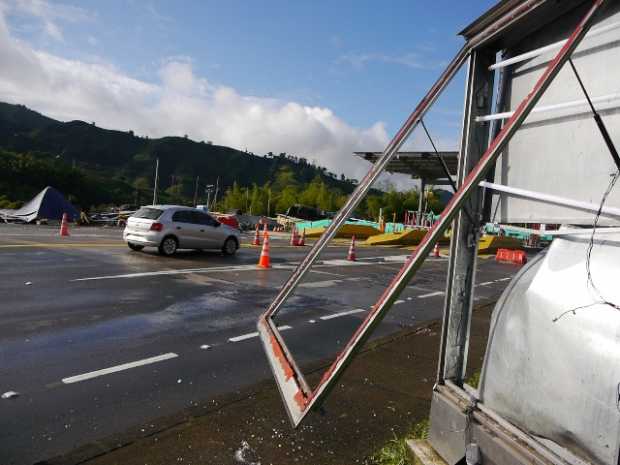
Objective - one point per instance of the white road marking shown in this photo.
(431, 294)
(342, 262)
(503, 279)
(328, 273)
(171, 272)
(399, 302)
(396, 258)
(485, 283)
(337, 315)
(221, 269)
(319, 284)
(244, 337)
(205, 346)
(117, 368)
(312, 321)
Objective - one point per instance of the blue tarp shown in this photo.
(49, 204)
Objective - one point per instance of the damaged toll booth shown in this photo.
(541, 126)
(430, 168)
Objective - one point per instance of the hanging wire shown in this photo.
(446, 171)
(614, 154)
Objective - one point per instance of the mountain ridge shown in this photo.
(124, 158)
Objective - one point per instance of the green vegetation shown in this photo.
(396, 451)
(474, 379)
(94, 167)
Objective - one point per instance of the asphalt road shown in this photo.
(97, 339)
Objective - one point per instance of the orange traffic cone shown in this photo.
(64, 227)
(293, 235)
(264, 261)
(436, 251)
(256, 240)
(302, 239)
(351, 254)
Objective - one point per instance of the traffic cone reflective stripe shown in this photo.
(256, 240)
(302, 240)
(64, 227)
(293, 235)
(351, 255)
(264, 261)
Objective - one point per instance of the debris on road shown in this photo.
(28, 283)
(10, 395)
(246, 455)
(205, 347)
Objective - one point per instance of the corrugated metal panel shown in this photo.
(554, 150)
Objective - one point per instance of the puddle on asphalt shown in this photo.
(211, 311)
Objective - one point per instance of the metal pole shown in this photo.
(196, 192)
(268, 202)
(156, 181)
(421, 201)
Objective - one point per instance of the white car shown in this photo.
(172, 227)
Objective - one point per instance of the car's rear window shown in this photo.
(148, 213)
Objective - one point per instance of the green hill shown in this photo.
(92, 165)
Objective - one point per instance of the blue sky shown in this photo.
(365, 63)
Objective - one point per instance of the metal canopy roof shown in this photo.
(423, 165)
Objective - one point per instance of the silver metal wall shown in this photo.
(553, 372)
(561, 152)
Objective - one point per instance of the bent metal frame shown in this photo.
(299, 398)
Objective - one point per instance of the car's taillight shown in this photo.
(157, 227)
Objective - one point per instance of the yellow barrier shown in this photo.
(360, 231)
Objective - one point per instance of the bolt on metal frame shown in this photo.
(298, 398)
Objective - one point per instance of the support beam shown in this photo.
(421, 202)
(464, 244)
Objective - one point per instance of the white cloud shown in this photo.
(48, 15)
(410, 60)
(179, 103)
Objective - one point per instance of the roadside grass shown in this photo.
(396, 452)
(474, 379)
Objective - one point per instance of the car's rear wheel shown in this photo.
(168, 246)
(230, 246)
(135, 247)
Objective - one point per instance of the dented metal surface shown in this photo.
(299, 399)
(553, 344)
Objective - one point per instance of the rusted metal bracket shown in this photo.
(299, 399)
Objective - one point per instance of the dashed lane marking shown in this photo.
(243, 337)
(337, 315)
(487, 283)
(117, 368)
(216, 269)
(430, 294)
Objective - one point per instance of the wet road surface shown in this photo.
(97, 339)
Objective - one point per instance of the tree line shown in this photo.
(23, 175)
(285, 191)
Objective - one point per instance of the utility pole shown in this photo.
(208, 190)
(217, 188)
(196, 191)
(156, 180)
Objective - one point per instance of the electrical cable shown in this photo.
(614, 154)
(446, 171)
